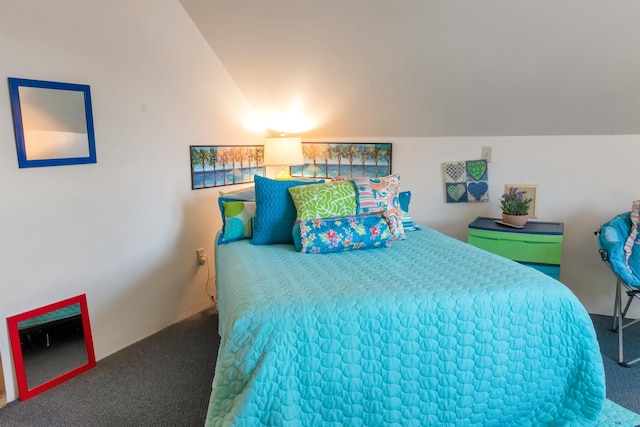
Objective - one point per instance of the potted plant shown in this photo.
(515, 207)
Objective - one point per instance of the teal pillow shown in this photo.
(407, 221)
(237, 219)
(329, 200)
(405, 199)
(275, 211)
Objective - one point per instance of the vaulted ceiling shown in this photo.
(424, 68)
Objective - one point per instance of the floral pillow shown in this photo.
(329, 200)
(342, 234)
(381, 195)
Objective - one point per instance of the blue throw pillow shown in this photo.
(275, 211)
(407, 221)
(405, 200)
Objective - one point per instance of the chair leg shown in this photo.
(620, 315)
(620, 324)
(616, 307)
(630, 294)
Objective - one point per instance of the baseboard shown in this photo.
(107, 349)
(190, 311)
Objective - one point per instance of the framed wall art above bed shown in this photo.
(219, 165)
(351, 160)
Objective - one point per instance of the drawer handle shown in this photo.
(520, 241)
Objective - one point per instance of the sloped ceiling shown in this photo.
(434, 67)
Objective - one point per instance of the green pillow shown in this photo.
(329, 200)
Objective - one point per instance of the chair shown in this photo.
(619, 247)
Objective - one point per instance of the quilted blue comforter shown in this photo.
(431, 331)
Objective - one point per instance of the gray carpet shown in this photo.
(165, 380)
(623, 384)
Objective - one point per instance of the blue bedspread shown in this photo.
(431, 331)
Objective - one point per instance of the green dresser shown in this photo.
(538, 244)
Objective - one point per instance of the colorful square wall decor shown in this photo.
(466, 181)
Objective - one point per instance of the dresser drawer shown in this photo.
(537, 248)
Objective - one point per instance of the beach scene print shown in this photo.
(215, 166)
(351, 160)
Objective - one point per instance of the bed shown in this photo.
(427, 332)
(71, 311)
(36, 332)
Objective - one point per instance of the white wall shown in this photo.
(125, 230)
(583, 181)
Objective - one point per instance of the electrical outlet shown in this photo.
(202, 256)
(486, 154)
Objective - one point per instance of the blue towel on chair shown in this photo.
(612, 238)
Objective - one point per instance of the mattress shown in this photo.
(430, 331)
(52, 316)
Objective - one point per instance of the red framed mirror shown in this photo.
(51, 345)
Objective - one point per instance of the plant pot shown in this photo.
(519, 220)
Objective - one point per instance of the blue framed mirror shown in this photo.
(53, 123)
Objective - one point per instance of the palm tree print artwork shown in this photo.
(351, 160)
(215, 166)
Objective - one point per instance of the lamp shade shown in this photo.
(283, 152)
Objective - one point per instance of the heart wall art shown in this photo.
(466, 181)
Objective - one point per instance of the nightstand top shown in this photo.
(531, 227)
